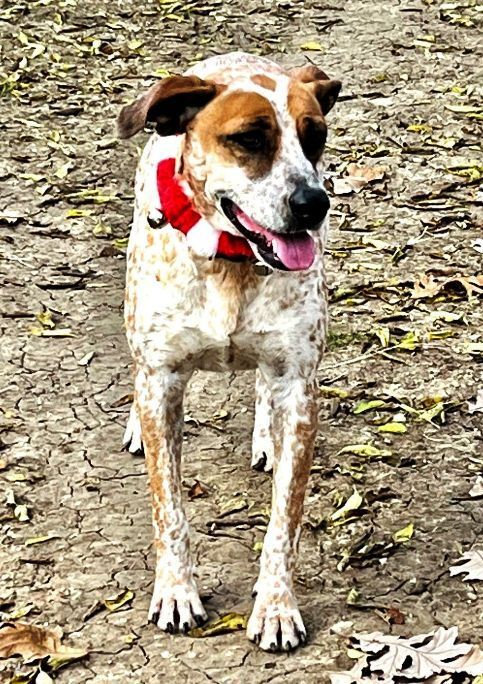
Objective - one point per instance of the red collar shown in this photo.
(180, 214)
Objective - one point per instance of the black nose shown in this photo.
(309, 206)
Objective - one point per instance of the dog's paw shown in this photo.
(132, 440)
(176, 608)
(262, 453)
(275, 623)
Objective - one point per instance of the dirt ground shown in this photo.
(408, 106)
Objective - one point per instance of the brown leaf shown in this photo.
(425, 287)
(392, 615)
(356, 178)
(122, 401)
(197, 490)
(428, 286)
(30, 641)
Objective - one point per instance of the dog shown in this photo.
(225, 272)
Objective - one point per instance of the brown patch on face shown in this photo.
(309, 120)
(240, 128)
(264, 81)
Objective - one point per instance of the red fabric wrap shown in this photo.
(179, 212)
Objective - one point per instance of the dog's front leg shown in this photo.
(263, 440)
(175, 604)
(276, 623)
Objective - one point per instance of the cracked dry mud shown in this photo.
(402, 63)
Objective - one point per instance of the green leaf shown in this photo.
(77, 213)
(364, 450)
(312, 45)
(117, 602)
(232, 622)
(120, 243)
(393, 427)
(258, 546)
(383, 334)
(364, 406)
(404, 534)
(410, 341)
(353, 597)
(431, 413)
(329, 391)
(352, 504)
(101, 230)
(63, 170)
(45, 318)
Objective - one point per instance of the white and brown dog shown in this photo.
(225, 272)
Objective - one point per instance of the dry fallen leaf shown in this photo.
(352, 504)
(470, 562)
(232, 622)
(403, 535)
(421, 656)
(477, 405)
(356, 178)
(428, 286)
(368, 450)
(115, 603)
(41, 540)
(312, 45)
(392, 427)
(197, 490)
(477, 489)
(30, 641)
(86, 359)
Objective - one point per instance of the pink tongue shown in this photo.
(296, 252)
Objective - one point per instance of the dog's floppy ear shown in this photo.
(325, 89)
(170, 104)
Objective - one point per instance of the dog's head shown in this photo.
(250, 153)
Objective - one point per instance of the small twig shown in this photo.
(356, 359)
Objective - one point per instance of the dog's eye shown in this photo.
(252, 141)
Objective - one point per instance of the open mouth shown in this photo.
(288, 252)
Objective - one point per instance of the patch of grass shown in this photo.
(9, 85)
(339, 338)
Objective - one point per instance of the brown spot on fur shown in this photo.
(264, 81)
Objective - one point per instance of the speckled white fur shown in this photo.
(184, 312)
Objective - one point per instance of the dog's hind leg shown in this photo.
(262, 441)
(276, 623)
(175, 605)
(132, 440)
